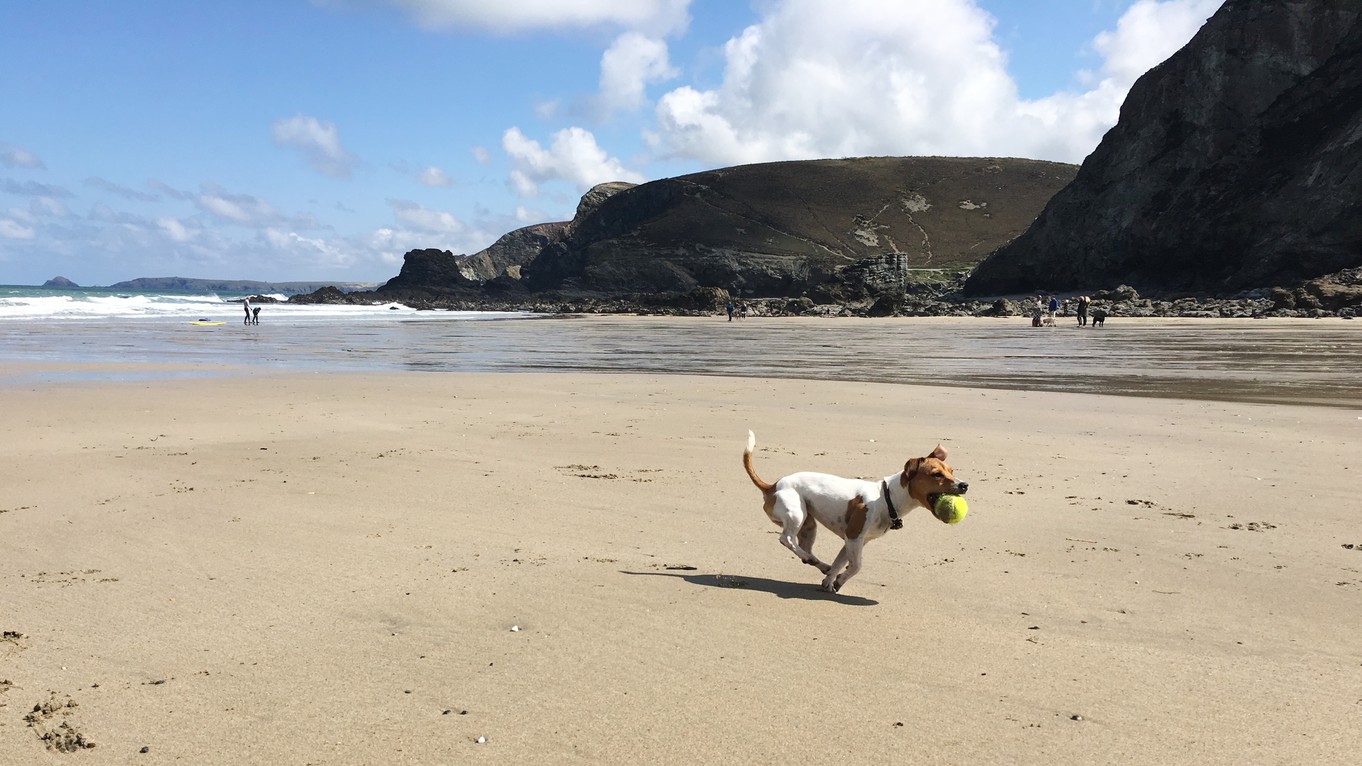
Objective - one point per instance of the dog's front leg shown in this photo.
(850, 555)
(830, 583)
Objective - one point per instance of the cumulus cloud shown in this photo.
(12, 156)
(175, 230)
(480, 155)
(814, 79)
(247, 210)
(632, 62)
(513, 16)
(318, 141)
(1149, 32)
(572, 156)
(433, 176)
(237, 208)
(313, 251)
(424, 219)
(12, 229)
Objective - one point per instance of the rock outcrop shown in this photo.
(1236, 164)
(847, 228)
(60, 283)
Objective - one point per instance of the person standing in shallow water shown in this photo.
(247, 305)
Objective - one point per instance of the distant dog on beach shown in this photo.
(1099, 318)
(855, 510)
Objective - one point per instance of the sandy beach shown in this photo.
(449, 568)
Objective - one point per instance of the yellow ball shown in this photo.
(950, 508)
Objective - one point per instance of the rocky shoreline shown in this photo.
(1337, 295)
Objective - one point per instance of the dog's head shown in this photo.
(928, 478)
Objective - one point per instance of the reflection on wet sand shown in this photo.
(1293, 361)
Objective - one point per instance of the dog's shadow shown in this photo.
(779, 588)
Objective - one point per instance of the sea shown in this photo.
(100, 334)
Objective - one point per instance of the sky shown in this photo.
(316, 140)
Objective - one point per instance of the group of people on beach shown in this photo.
(252, 312)
(742, 309)
(1043, 311)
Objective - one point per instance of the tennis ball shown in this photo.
(950, 508)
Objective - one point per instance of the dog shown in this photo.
(1099, 318)
(855, 510)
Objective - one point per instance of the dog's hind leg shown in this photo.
(789, 509)
(807, 532)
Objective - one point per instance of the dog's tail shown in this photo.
(765, 487)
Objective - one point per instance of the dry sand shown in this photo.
(380, 569)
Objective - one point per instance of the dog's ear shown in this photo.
(909, 470)
(939, 453)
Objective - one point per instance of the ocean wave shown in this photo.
(37, 304)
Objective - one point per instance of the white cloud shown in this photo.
(319, 142)
(862, 77)
(1149, 32)
(512, 16)
(238, 208)
(247, 209)
(573, 156)
(389, 244)
(424, 219)
(307, 250)
(11, 229)
(480, 155)
(48, 207)
(12, 156)
(176, 231)
(632, 62)
(433, 176)
(529, 216)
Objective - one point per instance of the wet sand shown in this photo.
(1289, 361)
(573, 568)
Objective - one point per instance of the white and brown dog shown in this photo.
(855, 510)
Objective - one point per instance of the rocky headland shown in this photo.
(1228, 188)
(1236, 165)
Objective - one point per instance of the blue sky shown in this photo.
(322, 139)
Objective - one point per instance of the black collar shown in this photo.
(894, 521)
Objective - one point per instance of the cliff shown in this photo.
(773, 229)
(1236, 164)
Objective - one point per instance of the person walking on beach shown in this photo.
(1082, 311)
(1053, 309)
(255, 315)
(1037, 309)
(247, 305)
(729, 307)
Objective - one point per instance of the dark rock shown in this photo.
(60, 283)
(431, 270)
(1237, 163)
